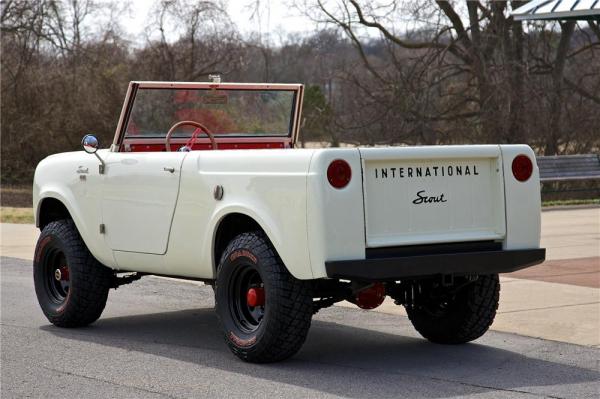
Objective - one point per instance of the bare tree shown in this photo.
(471, 60)
(195, 38)
(402, 72)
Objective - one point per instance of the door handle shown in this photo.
(170, 170)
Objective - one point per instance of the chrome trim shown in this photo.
(102, 166)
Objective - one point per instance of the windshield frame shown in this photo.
(134, 86)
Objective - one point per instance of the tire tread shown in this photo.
(90, 280)
(288, 327)
(467, 323)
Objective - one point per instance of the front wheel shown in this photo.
(70, 284)
(265, 312)
(449, 317)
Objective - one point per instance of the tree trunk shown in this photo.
(556, 102)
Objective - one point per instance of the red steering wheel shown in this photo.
(199, 128)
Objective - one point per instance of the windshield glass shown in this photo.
(224, 112)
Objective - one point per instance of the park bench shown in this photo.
(569, 167)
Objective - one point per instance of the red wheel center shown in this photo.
(62, 273)
(255, 297)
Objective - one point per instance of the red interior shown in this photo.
(238, 143)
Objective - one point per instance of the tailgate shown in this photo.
(427, 195)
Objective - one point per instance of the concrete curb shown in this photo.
(568, 207)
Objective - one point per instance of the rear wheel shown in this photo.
(264, 311)
(70, 284)
(449, 317)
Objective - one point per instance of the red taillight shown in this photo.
(339, 173)
(522, 167)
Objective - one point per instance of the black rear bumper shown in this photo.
(416, 266)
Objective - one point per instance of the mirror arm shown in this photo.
(90, 145)
(102, 165)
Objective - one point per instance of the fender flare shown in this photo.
(84, 232)
(268, 226)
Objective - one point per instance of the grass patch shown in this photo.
(10, 214)
(593, 201)
(16, 196)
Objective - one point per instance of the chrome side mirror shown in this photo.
(90, 145)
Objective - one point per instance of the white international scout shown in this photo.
(203, 182)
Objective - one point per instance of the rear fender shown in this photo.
(296, 264)
(522, 201)
(335, 217)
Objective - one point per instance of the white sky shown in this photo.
(276, 16)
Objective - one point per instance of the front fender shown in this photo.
(57, 177)
(91, 237)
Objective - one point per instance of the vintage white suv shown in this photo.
(203, 182)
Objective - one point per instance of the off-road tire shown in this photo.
(89, 280)
(467, 316)
(287, 310)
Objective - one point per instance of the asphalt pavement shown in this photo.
(160, 338)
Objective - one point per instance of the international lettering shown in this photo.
(425, 171)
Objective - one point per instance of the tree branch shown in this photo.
(403, 43)
(582, 92)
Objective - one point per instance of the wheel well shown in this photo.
(232, 225)
(51, 209)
